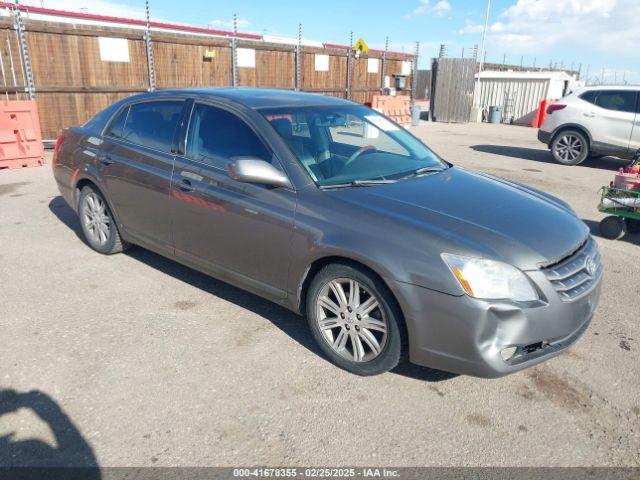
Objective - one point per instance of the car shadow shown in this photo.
(290, 323)
(633, 238)
(544, 156)
(71, 458)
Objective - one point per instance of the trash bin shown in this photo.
(495, 114)
(415, 115)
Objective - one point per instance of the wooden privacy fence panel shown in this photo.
(179, 65)
(74, 77)
(452, 92)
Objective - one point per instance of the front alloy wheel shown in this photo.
(351, 320)
(355, 319)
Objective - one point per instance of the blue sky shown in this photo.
(602, 34)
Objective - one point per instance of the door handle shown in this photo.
(185, 185)
(106, 160)
(590, 114)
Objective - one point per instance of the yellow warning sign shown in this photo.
(360, 47)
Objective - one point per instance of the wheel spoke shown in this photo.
(368, 306)
(341, 340)
(358, 348)
(338, 291)
(329, 323)
(370, 340)
(374, 324)
(328, 304)
(354, 293)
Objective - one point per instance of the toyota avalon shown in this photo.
(332, 210)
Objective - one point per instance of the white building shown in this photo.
(519, 93)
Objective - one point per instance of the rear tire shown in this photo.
(361, 332)
(612, 227)
(570, 147)
(98, 226)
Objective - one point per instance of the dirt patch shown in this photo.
(185, 305)
(625, 345)
(559, 390)
(478, 420)
(8, 188)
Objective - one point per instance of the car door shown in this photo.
(634, 144)
(610, 118)
(240, 231)
(136, 163)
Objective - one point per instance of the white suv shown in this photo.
(593, 121)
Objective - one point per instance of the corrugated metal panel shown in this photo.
(519, 98)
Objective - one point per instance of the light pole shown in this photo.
(482, 54)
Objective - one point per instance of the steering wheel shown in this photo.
(357, 153)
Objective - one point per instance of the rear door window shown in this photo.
(216, 135)
(153, 124)
(620, 101)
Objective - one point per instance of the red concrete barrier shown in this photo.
(397, 108)
(20, 135)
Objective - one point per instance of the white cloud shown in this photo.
(438, 9)
(538, 26)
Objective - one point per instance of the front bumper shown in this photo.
(544, 137)
(464, 335)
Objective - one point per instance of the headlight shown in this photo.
(491, 280)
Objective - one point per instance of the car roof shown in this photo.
(611, 87)
(255, 98)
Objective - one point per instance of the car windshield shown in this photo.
(351, 145)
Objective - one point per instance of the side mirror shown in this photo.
(255, 170)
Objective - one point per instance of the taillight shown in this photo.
(553, 107)
(56, 150)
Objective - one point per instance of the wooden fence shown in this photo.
(72, 82)
(452, 89)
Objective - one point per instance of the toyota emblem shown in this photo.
(591, 266)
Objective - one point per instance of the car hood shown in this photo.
(475, 214)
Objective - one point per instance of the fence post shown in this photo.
(384, 64)
(414, 74)
(349, 52)
(299, 58)
(24, 53)
(234, 52)
(149, 46)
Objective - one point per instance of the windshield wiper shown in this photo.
(358, 183)
(424, 171)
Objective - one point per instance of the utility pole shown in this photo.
(384, 64)
(483, 54)
(349, 61)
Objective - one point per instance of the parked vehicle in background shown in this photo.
(330, 209)
(594, 121)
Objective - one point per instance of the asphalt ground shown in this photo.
(135, 360)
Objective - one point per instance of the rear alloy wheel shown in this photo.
(612, 227)
(97, 223)
(570, 147)
(355, 320)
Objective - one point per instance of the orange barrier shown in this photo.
(396, 108)
(542, 112)
(20, 135)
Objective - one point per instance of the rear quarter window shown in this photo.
(620, 101)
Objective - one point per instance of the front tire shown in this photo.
(98, 226)
(570, 147)
(355, 320)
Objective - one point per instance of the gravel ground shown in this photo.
(138, 361)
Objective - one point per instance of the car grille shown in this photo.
(574, 276)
